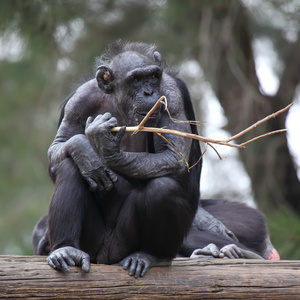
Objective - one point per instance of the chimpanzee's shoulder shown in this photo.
(172, 91)
(84, 102)
(88, 94)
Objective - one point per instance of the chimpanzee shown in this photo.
(250, 239)
(121, 197)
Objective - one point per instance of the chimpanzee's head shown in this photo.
(132, 77)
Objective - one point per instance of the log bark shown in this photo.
(31, 277)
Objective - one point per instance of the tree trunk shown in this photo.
(31, 277)
(227, 60)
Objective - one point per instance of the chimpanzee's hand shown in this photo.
(64, 257)
(91, 168)
(231, 251)
(101, 178)
(105, 143)
(139, 262)
(211, 250)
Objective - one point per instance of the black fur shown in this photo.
(247, 223)
(147, 210)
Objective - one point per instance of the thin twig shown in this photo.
(151, 111)
(274, 115)
(209, 144)
(186, 162)
(177, 132)
(262, 136)
(206, 140)
(205, 149)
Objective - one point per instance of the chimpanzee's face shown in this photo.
(134, 83)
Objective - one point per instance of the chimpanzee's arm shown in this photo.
(148, 165)
(89, 164)
(70, 141)
(166, 160)
(206, 222)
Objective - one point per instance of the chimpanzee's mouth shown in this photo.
(154, 115)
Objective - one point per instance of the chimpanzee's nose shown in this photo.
(148, 93)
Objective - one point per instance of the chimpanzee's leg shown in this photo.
(73, 214)
(164, 216)
(40, 240)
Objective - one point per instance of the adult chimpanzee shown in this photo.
(122, 197)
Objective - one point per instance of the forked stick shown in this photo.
(141, 127)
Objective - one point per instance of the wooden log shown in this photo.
(31, 277)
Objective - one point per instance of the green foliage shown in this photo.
(24, 185)
(284, 227)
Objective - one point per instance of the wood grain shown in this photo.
(31, 277)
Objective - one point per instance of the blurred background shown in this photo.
(240, 59)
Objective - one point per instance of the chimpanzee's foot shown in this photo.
(139, 262)
(64, 257)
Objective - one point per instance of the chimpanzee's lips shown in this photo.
(154, 115)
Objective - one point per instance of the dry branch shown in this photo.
(206, 140)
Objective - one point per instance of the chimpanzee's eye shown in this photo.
(154, 76)
(136, 79)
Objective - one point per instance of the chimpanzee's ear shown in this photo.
(105, 77)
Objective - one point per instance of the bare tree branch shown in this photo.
(209, 141)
